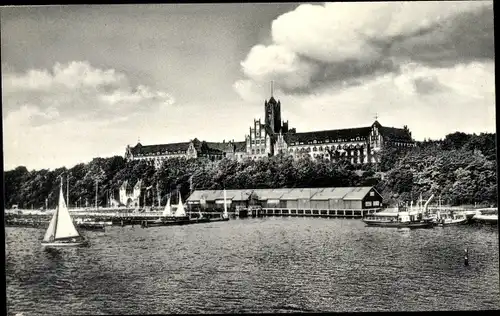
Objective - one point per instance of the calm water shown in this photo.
(255, 265)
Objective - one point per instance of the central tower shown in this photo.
(272, 111)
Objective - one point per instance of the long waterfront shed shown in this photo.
(333, 198)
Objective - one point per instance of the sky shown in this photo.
(85, 81)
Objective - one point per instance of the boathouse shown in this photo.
(338, 201)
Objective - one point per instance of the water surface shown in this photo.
(255, 265)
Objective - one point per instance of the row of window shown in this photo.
(327, 141)
(258, 141)
(333, 147)
(370, 203)
(349, 151)
(258, 151)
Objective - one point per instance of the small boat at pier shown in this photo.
(486, 216)
(62, 231)
(89, 224)
(450, 218)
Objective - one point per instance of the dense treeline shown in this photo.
(461, 169)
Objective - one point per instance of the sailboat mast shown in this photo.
(57, 209)
(96, 186)
(158, 192)
(67, 190)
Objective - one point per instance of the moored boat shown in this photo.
(402, 218)
(486, 216)
(450, 218)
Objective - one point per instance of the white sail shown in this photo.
(61, 224)
(64, 227)
(167, 211)
(51, 230)
(180, 212)
(225, 204)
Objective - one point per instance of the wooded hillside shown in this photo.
(461, 168)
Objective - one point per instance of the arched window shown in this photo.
(315, 149)
(253, 151)
(320, 148)
(258, 151)
(308, 149)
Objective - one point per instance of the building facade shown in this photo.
(356, 145)
(130, 198)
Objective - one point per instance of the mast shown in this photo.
(57, 209)
(96, 187)
(67, 190)
(159, 194)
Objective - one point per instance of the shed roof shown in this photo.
(270, 194)
(300, 193)
(346, 193)
(357, 193)
(212, 195)
(332, 193)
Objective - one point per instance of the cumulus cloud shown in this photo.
(77, 89)
(339, 43)
(74, 104)
(454, 104)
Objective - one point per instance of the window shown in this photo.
(376, 203)
(253, 151)
(372, 193)
(315, 149)
(368, 203)
(258, 151)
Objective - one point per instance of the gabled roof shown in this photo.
(300, 193)
(332, 193)
(395, 134)
(225, 146)
(357, 193)
(331, 135)
(344, 193)
(270, 194)
(212, 195)
(139, 149)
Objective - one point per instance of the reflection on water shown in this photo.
(255, 265)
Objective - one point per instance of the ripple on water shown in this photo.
(254, 265)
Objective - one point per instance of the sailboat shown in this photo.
(225, 216)
(180, 211)
(61, 231)
(167, 211)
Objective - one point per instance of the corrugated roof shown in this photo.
(300, 193)
(345, 193)
(357, 193)
(212, 195)
(332, 193)
(270, 194)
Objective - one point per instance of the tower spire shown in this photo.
(272, 88)
(376, 116)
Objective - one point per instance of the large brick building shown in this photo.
(358, 145)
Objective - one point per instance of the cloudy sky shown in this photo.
(84, 81)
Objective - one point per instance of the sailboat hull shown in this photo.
(65, 244)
